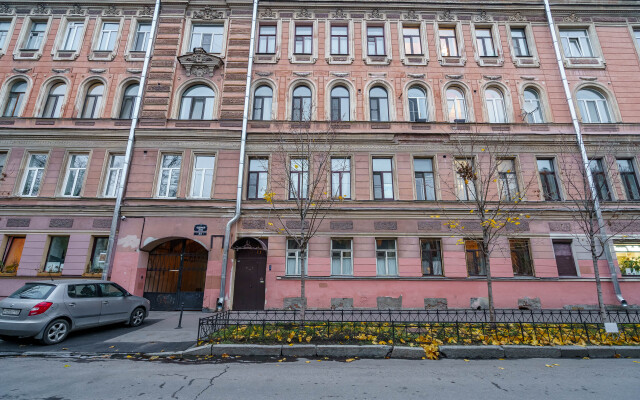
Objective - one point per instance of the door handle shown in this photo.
(105, 302)
(261, 280)
(71, 304)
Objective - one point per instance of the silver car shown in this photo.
(49, 310)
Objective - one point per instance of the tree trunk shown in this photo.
(303, 272)
(487, 265)
(596, 271)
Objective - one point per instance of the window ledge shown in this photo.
(266, 58)
(339, 59)
(490, 61)
(134, 55)
(452, 61)
(47, 274)
(377, 60)
(27, 54)
(92, 275)
(415, 59)
(584, 62)
(102, 55)
(7, 274)
(526, 62)
(61, 55)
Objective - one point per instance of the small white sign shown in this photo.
(611, 327)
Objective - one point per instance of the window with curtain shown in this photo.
(375, 41)
(424, 180)
(386, 257)
(55, 97)
(382, 179)
(267, 39)
(475, 262)
(258, 175)
(494, 101)
(484, 42)
(299, 178)
(92, 101)
(197, 103)
(169, 175)
(202, 176)
(593, 106)
(15, 99)
(456, 105)
(295, 259)
(114, 173)
(341, 257)
(301, 104)
(262, 103)
(340, 104)
(431, 257)
(74, 179)
(339, 40)
(33, 174)
(411, 39)
(448, 42)
(519, 42)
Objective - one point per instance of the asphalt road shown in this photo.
(58, 379)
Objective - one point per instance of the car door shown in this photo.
(115, 305)
(83, 302)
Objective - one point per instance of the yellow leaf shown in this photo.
(66, 365)
(111, 347)
(500, 368)
(465, 360)
(350, 359)
(307, 362)
(225, 355)
(153, 358)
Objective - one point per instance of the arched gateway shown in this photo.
(176, 273)
(251, 270)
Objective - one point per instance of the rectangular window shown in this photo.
(3, 162)
(431, 255)
(448, 42)
(294, 258)
(341, 257)
(475, 261)
(600, 179)
(143, 30)
(628, 255)
(386, 257)
(521, 257)
(56, 254)
(627, 176)
(36, 36)
(465, 187)
(202, 179)
(12, 255)
(267, 39)
(411, 37)
(72, 36)
(548, 179)
(33, 174)
(4, 32)
(424, 180)
(341, 178)
(636, 34)
(208, 37)
(169, 175)
(576, 43)
(519, 41)
(375, 41)
(339, 40)
(509, 189)
(108, 35)
(258, 174)
(114, 173)
(98, 255)
(299, 178)
(382, 179)
(76, 170)
(303, 39)
(484, 41)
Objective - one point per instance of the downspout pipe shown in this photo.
(585, 158)
(124, 177)
(243, 141)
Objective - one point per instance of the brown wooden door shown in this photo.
(564, 259)
(251, 269)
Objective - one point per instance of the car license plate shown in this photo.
(10, 311)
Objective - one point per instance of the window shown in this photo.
(56, 254)
(475, 261)
(298, 178)
(267, 39)
(425, 185)
(33, 174)
(141, 40)
(72, 36)
(495, 106)
(465, 186)
(417, 104)
(82, 291)
(208, 37)
(379, 104)
(35, 37)
(262, 103)
(448, 42)
(4, 32)
(628, 255)
(341, 178)
(521, 257)
(636, 34)
(128, 101)
(593, 107)
(600, 180)
(92, 101)
(382, 179)
(431, 257)
(114, 173)
(339, 40)
(519, 42)
(340, 104)
(3, 161)
(576, 43)
(12, 255)
(110, 290)
(456, 105)
(533, 107)
(53, 105)
(108, 35)
(202, 179)
(411, 37)
(484, 41)
(98, 255)
(548, 179)
(303, 39)
(169, 175)
(301, 110)
(197, 103)
(258, 174)
(15, 99)
(74, 179)
(508, 180)
(629, 179)
(341, 257)
(386, 257)
(295, 258)
(375, 41)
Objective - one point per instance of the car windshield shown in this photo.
(36, 291)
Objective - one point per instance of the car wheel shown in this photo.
(137, 317)
(56, 331)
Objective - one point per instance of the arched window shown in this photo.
(15, 98)
(593, 107)
(128, 100)
(53, 105)
(533, 106)
(456, 105)
(494, 101)
(92, 101)
(301, 110)
(197, 103)
(417, 104)
(262, 103)
(378, 104)
(340, 104)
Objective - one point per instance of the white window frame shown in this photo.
(387, 271)
(341, 254)
(414, 59)
(171, 172)
(531, 61)
(260, 58)
(76, 170)
(295, 254)
(58, 46)
(28, 169)
(344, 181)
(506, 183)
(386, 58)
(595, 60)
(106, 36)
(497, 59)
(109, 170)
(542, 110)
(601, 105)
(195, 170)
(339, 58)
(494, 106)
(4, 46)
(19, 53)
(303, 58)
(469, 188)
(468, 112)
(459, 60)
(105, 55)
(130, 53)
(214, 35)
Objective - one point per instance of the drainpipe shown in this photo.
(243, 140)
(115, 220)
(585, 158)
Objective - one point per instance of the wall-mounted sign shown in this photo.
(200, 230)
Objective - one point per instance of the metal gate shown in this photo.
(176, 273)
